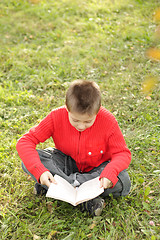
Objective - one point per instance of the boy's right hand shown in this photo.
(47, 178)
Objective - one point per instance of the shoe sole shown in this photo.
(98, 211)
(34, 191)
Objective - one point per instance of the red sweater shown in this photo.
(101, 142)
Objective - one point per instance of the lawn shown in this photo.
(46, 44)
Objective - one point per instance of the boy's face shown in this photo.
(81, 121)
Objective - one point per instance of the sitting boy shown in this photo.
(88, 143)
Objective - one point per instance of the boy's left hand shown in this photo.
(105, 183)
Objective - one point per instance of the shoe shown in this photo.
(39, 190)
(93, 206)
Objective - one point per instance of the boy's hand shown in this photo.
(46, 179)
(105, 183)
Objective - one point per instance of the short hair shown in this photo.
(83, 97)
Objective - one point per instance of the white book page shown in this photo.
(89, 190)
(62, 190)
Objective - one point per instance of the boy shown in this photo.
(88, 143)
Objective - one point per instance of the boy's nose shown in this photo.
(81, 126)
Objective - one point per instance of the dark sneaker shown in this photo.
(39, 190)
(93, 206)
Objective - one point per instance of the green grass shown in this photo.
(43, 47)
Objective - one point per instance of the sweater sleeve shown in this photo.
(26, 146)
(120, 155)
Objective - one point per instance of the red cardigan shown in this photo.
(101, 142)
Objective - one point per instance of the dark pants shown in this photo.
(59, 163)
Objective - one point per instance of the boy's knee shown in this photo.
(24, 168)
(122, 187)
(125, 182)
(26, 171)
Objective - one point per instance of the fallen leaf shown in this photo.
(35, 237)
(95, 60)
(52, 234)
(29, 178)
(114, 224)
(147, 211)
(137, 148)
(92, 225)
(50, 207)
(153, 53)
(148, 98)
(157, 15)
(149, 84)
(150, 149)
(38, 120)
(89, 235)
(151, 191)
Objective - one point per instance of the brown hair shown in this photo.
(83, 97)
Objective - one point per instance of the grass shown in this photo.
(44, 46)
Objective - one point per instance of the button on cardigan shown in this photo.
(101, 142)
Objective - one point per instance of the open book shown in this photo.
(64, 191)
